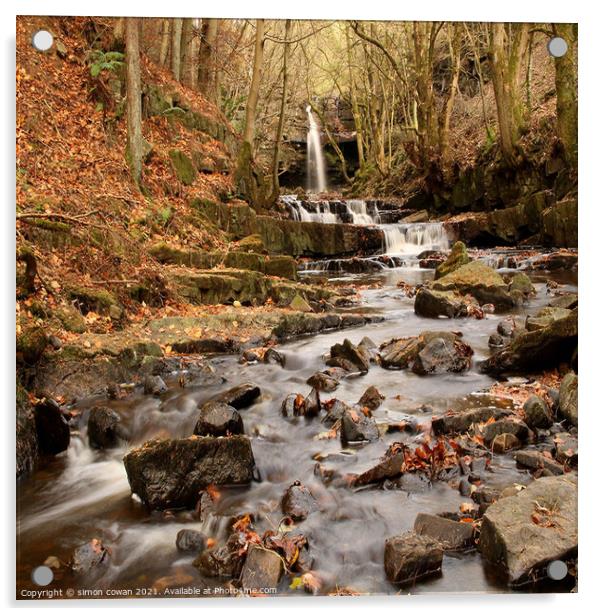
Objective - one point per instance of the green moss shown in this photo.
(71, 319)
(90, 299)
(457, 258)
(183, 167)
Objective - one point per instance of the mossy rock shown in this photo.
(90, 299)
(522, 283)
(31, 344)
(183, 167)
(71, 319)
(300, 303)
(560, 224)
(480, 281)
(456, 259)
(281, 266)
(251, 243)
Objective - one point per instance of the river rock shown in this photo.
(334, 411)
(190, 540)
(456, 259)
(480, 281)
(505, 442)
(440, 355)
(506, 425)
(537, 413)
(321, 381)
(536, 460)
(567, 399)
(495, 341)
(218, 419)
(521, 284)
(451, 534)
(89, 556)
(261, 571)
(293, 405)
(506, 327)
(225, 561)
(154, 385)
(567, 300)
(240, 396)
(566, 448)
(357, 355)
(298, 502)
(356, 426)
(463, 421)
(171, 473)
(51, 427)
(432, 304)
(312, 405)
(536, 350)
(371, 398)
(521, 534)
(403, 352)
(410, 557)
(300, 304)
(545, 317)
(389, 466)
(104, 428)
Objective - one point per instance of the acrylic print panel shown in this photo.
(296, 307)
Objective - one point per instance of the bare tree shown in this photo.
(176, 45)
(164, 51)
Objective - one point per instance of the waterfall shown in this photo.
(316, 170)
(401, 239)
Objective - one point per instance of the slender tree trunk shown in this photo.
(280, 129)
(176, 45)
(166, 27)
(134, 102)
(251, 110)
(566, 92)
(186, 52)
(207, 58)
(357, 120)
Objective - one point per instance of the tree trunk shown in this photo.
(176, 45)
(186, 52)
(566, 93)
(207, 58)
(280, 129)
(134, 102)
(508, 46)
(164, 42)
(251, 107)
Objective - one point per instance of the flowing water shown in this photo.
(84, 493)
(316, 168)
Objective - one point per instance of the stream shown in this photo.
(84, 493)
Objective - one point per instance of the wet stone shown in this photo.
(323, 382)
(357, 356)
(293, 405)
(452, 535)
(355, 426)
(496, 341)
(262, 570)
(52, 428)
(505, 442)
(104, 428)
(507, 425)
(371, 398)
(312, 405)
(537, 461)
(298, 502)
(463, 421)
(218, 419)
(537, 413)
(440, 355)
(189, 540)
(87, 557)
(567, 402)
(154, 385)
(240, 396)
(410, 557)
(566, 448)
(225, 561)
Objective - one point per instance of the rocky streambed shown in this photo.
(433, 448)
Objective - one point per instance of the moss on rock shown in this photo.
(183, 167)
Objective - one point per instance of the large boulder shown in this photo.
(456, 259)
(521, 534)
(453, 422)
(410, 557)
(52, 428)
(545, 317)
(446, 353)
(261, 571)
(567, 398)
(537, 350)
(480, 281)
(218, 419)
(433, 304)
(172, 473)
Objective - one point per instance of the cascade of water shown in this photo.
(359, 211)
(414, 238)
(316, 169)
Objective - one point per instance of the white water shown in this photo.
(400, 238)
(316, 169)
